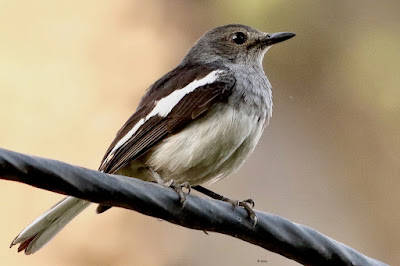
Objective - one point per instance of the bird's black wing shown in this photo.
(126, 147)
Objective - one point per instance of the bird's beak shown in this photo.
(273, 38)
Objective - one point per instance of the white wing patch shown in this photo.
(165, 105)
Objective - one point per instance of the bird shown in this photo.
(195, 125)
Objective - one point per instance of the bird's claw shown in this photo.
(181, 193)
(248, 205)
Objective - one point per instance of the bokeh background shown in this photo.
(72, 72)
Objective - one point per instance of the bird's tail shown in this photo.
(44, 228)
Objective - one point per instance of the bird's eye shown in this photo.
(239, 38)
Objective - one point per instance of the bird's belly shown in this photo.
(209, 149)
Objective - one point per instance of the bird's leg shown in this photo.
(171, 184)
(247, 204)
(159, 179)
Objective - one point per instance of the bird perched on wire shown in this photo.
(196, 124)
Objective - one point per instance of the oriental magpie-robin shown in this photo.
(196, 124)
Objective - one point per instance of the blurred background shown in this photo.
(72, 72)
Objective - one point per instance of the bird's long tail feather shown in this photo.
(44, 228)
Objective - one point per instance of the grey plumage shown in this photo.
(196, 124)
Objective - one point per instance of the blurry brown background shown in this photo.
(72, 72)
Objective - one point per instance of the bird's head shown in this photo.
(235, 43)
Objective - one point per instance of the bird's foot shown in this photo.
(245, 203)
(248, 205)
(178, 189)
(171, 184)
(181, 193)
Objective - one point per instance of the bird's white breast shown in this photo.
(213, 147)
